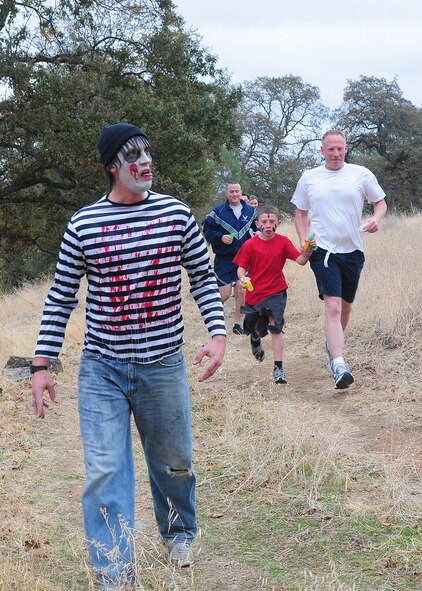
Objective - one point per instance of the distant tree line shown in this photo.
(280, 123)
(68, 68)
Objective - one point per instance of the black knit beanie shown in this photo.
(113, 137)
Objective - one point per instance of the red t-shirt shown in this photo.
(264, 261)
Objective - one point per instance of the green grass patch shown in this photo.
(285, 544)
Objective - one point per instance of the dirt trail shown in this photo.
(380, 419)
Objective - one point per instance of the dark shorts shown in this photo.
(225, 270)
(337, 274)
(257, 319)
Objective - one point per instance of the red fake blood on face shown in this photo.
(134, 171)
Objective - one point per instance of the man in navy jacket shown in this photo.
(226, 228)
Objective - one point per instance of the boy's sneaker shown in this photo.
(342, 377)
(237, 329)
(180, 552)
(330, 357)
(279, 376)
(257, 350)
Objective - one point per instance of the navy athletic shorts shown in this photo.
(337, 274)
(225, 270)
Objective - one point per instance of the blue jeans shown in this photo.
(158, 396)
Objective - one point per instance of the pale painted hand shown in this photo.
(214, 349)
(41, 381)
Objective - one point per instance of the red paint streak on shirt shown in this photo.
(108, 327)
(120, 279)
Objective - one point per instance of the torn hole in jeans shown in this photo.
(179, 471)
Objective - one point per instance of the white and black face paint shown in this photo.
(133, 164)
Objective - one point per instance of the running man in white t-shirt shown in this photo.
(329, 201)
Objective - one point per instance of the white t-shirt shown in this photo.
(335, 199)
(237, 210)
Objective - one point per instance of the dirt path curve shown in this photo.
(381, 420)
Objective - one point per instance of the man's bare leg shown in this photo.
(239, 300)
(337, 315)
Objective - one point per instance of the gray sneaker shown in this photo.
(279, 375)
(180, 552)
(330, 357)
(342, 377)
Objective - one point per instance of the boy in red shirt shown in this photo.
(263, 258)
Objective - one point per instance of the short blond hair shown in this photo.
(334, 132)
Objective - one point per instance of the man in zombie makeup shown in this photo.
(132, 245)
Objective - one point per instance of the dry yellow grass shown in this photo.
(302, 451)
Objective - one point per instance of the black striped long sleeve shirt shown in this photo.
(132, 256)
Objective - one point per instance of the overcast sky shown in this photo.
(325, 42)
